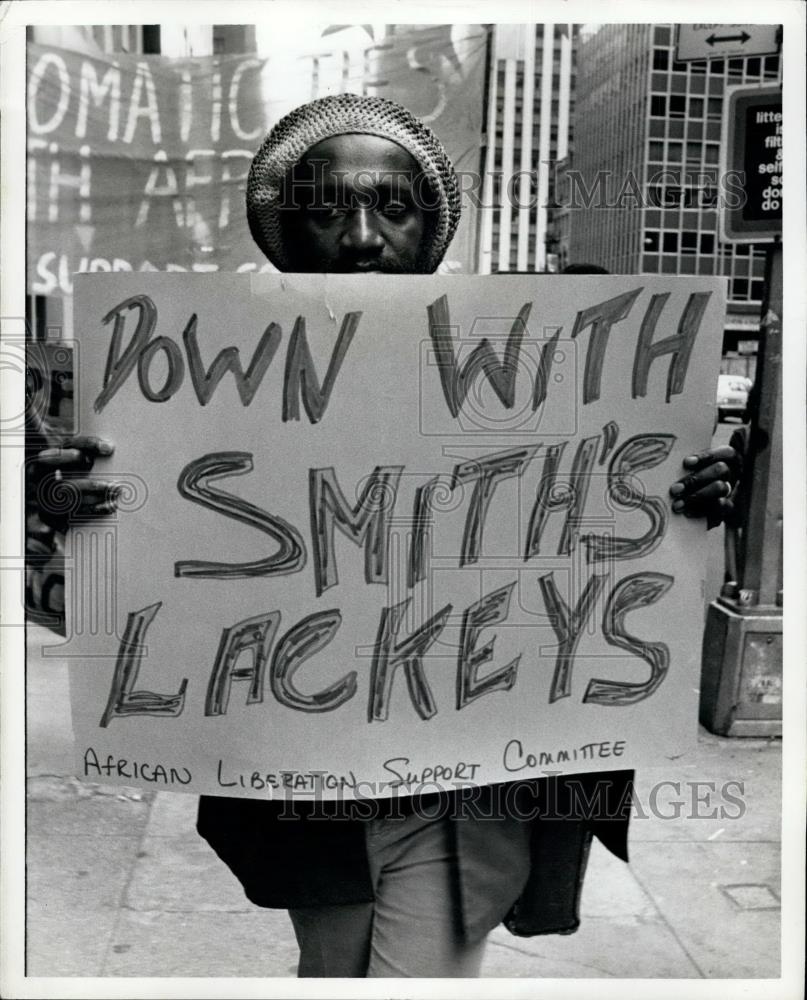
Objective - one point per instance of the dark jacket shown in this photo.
(509, 837)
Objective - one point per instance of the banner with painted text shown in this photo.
(139, 163)
(377, 534)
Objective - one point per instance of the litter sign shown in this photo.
(752, 131)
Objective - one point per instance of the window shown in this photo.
(696, 107)
(677, 106)
(757, 290)
(713, 131)
(698, 67)
(661, 58)
(670, 197)
(658, 106)
(661, 35)
(151, 39)
(735, 67)
(711, 153)
(739, 288)
(674, 152)
(689, 241)
(651, 241)
(741, 249)
(693, 152)
(753, 67)
(771, 65)
(707, 243)
(670, 243)
(716, 67)
(714, 107)
(219, 40)
(656, 152)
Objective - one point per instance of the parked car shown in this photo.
(732, 395)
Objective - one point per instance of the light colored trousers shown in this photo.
(412, 927)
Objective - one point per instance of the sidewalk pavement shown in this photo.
(120, 884)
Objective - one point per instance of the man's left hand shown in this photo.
(706, 490)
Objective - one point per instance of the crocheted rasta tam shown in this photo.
(343, 114)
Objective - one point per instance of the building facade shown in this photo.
(640, 193)
(530, 110)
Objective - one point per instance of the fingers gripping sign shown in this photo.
(707, 490)
(59, 484)
(74, 454)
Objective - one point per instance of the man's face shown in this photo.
(352, 204)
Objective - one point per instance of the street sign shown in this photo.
(751, 163)
(724, 41)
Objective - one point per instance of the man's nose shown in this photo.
(362, 232)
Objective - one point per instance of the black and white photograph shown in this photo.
(396, 519)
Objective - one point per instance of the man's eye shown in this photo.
(394, 209)
(325, 211)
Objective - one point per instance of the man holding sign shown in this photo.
(411, 885)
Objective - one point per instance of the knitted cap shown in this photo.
(343, 114)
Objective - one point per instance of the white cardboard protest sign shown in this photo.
(381, 531)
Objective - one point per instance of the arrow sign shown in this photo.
(722, 41)
(742, 39)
